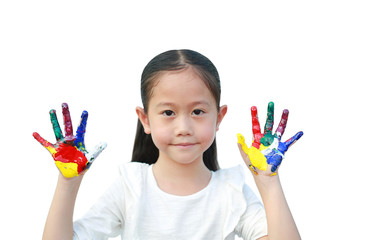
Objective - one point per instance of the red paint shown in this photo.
(67, 121)
(42, 141)
(67, 153)
(283, 123)
(256, 130)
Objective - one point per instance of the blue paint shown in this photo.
(274, 158)
(80, 132)
(293, 139)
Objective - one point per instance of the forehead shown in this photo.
(181, 85)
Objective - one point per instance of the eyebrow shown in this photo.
(169, 104)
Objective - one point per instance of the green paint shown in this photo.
(56, 126)
(81, 147)
(268, 137)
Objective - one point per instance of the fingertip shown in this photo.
(240, 138)
(84, 114)
(84, 117)
(271, 105)
(64, 105)
(65, 108)
(35, 135)
(299, 135)
(103, 145)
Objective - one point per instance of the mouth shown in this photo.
(184, 145)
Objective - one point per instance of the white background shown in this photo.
(307, 56)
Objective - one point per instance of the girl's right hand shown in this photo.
(69, 153)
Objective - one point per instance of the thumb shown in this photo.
(242, 147)
(92, 155)
(44, 143)
(241, 141)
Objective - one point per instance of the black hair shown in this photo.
(144, 149)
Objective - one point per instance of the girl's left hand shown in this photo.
(267, 151)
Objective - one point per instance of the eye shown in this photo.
(168, 113)
(197, 112)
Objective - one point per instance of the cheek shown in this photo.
(207, 133)
(160, 136)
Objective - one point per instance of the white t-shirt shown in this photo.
(136, 208)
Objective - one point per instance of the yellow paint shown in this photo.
(241, 140)
(69, 170)
(262, 147)
(52, 150)
(257, 159)
(253, 170)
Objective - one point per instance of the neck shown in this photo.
(181, 179)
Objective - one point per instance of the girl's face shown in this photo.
(182, 116)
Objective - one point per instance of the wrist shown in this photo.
(267, 183)
(69, 184)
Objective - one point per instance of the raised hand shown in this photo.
(69, 153)
(267, 151)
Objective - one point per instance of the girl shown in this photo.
(173, 188)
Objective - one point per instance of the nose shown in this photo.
(183, 126)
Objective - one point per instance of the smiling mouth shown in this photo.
(184, 145)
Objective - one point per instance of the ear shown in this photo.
(222, 112)
(143, 117)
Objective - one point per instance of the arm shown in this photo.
(281, 224)
(263, 159)
(59, 223)
(73, 160)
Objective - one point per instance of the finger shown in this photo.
(270, 119)
(291, 141)
(80, 132)
(56, 126)
(283, 123)
(256, 131)
(67, 122)
(91, 156)
(244, 156)
(50, 147)
(241, 141)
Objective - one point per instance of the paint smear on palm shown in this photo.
(70, 161)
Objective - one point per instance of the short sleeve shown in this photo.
(105, 218)
(252, 224)
(246, 215)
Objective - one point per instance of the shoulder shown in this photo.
(233, 181)
(133, 176)
(231, 184)
(234, 176)
(133, 168)
(239, 169)
(234, 195)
